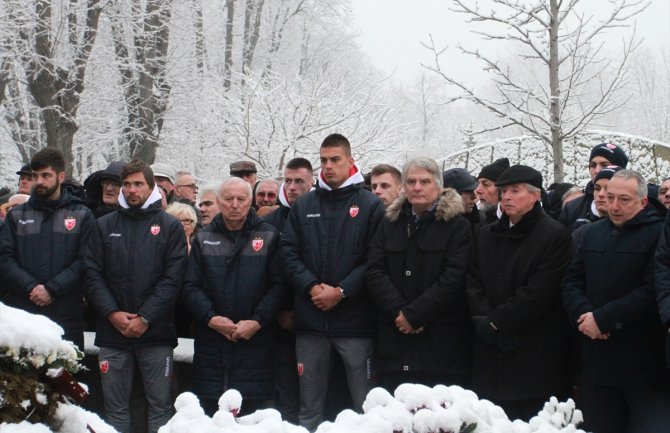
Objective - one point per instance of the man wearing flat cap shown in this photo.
(245, 170)
(514, 290)
(25, 179)
(579, 212)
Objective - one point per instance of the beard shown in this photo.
(45, 193)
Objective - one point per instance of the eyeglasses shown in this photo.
(186, 221)
(192, 186)
(266, 194)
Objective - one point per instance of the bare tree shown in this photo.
(53, 41)
(580, 84)
(141, 46)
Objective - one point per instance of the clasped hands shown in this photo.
(325, 297)
(242, 330)
(40, 296)
(130, 325)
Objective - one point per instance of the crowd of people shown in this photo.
(492, 282)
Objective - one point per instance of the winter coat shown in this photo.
(612, 276)
(277, 218)
(238, 277)
(514, 279)
(578, 212)
(420, 269)
(44, 242)
(325, 240)
(136, 262)
(662, 273)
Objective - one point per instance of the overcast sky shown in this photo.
(391, 31)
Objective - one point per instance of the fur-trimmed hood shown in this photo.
(449, 205)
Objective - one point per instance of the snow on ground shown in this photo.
(411, 409)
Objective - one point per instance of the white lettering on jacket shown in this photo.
(115, 235)
(211, 242)
(24, 222)
(313, 215)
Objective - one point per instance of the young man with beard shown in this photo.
(136, 262)
(42, 248)
(324, 245)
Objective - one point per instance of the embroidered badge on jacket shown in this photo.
(70, 223)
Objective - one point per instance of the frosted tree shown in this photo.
(52, 41)
(563, 47)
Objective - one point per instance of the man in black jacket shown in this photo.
(608, 292)
(42, 248)
(136, 262)
(514, 288)
(233, 290)
(578, 212)
(298, 181)
(416, 273)
(323, 250)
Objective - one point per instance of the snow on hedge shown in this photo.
(651, 158)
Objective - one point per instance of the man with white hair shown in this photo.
(514, 289)
(233, 290)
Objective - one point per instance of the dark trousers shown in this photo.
(624, 410)
(116, 374)
(286, 378)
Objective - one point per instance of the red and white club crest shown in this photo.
(104, 366)
(353, 211)
(155, 229)
(611, 146)
(301, 368)
(69, 223)
(257, 244)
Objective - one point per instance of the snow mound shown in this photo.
(70, 418)
(411, 409)
(36, 335)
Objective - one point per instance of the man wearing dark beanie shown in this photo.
(487, 191)
(514, 286)
(578, 212)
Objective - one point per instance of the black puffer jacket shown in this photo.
(612, 276)
(420, 269)
(43, 242)
(136, 262)
(325, 240)
(515, 279)
(238, 277)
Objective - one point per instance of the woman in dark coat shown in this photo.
(514, 288)
(416, 268)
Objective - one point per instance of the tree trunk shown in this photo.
(200, 48)
(554, 88)
(228, 49)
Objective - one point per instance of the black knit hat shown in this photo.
(607, 172)
(611, 152)
(494, 170)
(459, 179)
(520, 174)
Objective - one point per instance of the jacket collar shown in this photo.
(449, 205)
(355, 177)
(153, 198)
(524, 226)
